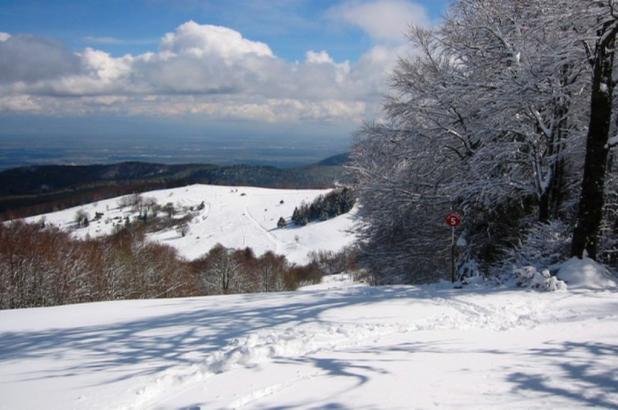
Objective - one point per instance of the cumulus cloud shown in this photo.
(207, 40)
(382, 19)
(198, 69)
(4, 36)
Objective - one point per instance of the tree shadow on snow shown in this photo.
(583, 373)
(177, 338)
(212, 323)
(587, 383)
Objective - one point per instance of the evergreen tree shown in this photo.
(281, 223)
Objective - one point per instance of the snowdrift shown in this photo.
(585, 273)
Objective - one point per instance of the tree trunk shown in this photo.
(558, 192)
(544, 207)
(551, 199)
(590, 213)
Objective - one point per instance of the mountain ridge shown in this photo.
(28, 190)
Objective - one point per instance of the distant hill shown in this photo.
(31, 190)
(252, 212)
(336, 160)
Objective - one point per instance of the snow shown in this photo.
(337, 345)
(235, 217)
(585, 273)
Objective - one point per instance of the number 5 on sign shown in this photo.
(453, 219)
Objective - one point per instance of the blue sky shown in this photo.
(290, 27)
(292, 64)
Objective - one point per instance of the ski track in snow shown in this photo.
(309, 338)
(272, 238)
(258, 394)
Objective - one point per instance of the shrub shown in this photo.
(82, 218)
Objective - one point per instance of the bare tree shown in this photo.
(222, 273)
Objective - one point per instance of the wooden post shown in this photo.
(453, 254)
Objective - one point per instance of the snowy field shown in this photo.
(337, 345)
(235, 217)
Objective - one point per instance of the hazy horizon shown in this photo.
(273, 82)
(71, 150)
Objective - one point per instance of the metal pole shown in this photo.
(453, 255)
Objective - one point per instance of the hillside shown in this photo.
(235, 217)
(25, 191)
(337, 345)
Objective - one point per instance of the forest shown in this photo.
(337, 202)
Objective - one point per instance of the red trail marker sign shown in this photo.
(453, 220)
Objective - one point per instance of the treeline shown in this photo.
(15, 207)
(43, 266)
(337, 202)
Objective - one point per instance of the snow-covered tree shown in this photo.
(488, 118)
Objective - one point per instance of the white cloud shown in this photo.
(105, 66)
(202, 70)
(322, 57)
(318, 57)
(383, 19)
(207, 40)
(4, 36)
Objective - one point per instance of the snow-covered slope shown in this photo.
(235, 217)
(334, 346)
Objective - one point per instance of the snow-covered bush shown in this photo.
(543, 247)
(331, 262)
(530, 277)
(469, 271)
